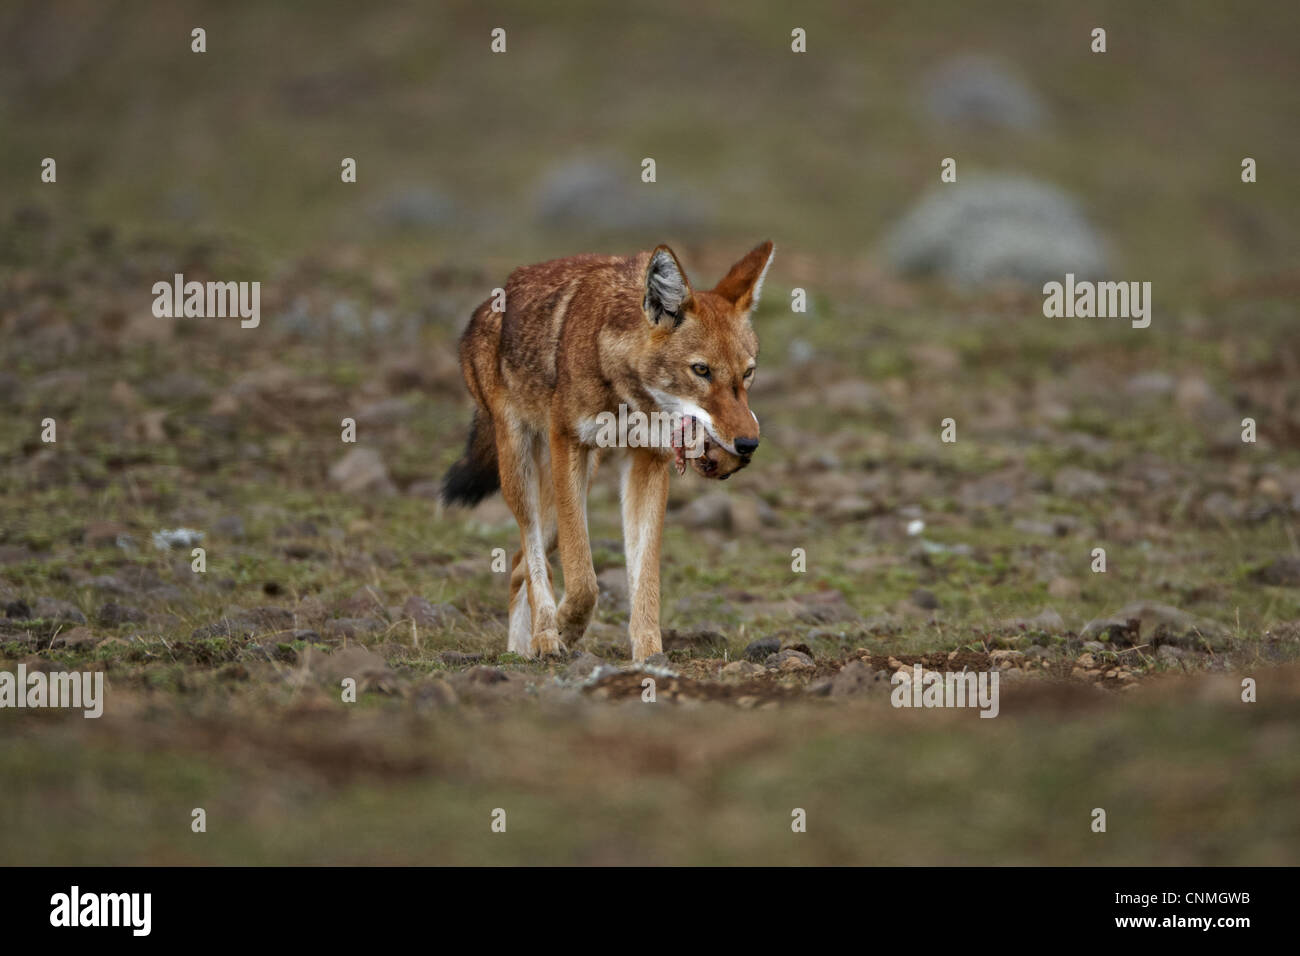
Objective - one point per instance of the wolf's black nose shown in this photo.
(746, 446)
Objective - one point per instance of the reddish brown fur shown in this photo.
(578, 337)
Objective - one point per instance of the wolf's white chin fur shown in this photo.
(681, 408)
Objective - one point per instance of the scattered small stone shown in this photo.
(1281, 572)
(852, 508)
(229, 526)
(352, 628)
(429, 615)
(762, 648)
(459, 658)
(112, 614)
(990, 491)
(56, 609)
(362, 471)
(591, 191)
(790, 662)
(582, 666)
(361, 602)
(701, 640)
(1164, 623)
(857, 678)
(1150, 384)
(104, 534)
(1044, 529)
(824, 607)
(219, 628)
(749, 514)
(925, 599)
(18, 610)
(1072, 482)
(366, 667)
(413, 207)
(183, 538)
(485, 675)
(982, 92)
(882, 625)
(711, 510)
(1065, 588)
(1046, 620)
(265, 618)
(301, 551)
(1223, 507)
(437, 692)
(108, 584)
(741, 670)
(830, 634)
(850, 396)
(384, 413)
(612, 583)
(600, 674)
(306, 528)
(75, 639)
(1006, 658)
(279, 650)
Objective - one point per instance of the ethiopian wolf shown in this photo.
(580, 339)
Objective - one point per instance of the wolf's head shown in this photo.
(704, 355)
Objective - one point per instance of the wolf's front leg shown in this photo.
(644, 495)
(571, 470)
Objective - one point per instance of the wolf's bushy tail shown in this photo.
(474, 476)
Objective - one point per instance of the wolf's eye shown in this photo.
(700, 369)
(749, 371)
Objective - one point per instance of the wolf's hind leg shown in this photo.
(571, 467)
(520, 456)
(520, 640)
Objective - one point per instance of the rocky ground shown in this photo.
(858, 543)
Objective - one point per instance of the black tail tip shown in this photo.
(467, 483)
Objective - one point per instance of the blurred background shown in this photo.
(537, 151)
(924, 302)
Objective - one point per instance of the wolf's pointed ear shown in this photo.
(744, 283)
(667, 291)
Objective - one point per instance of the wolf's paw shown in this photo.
(571, 625)
(548, 644)
(646, 644)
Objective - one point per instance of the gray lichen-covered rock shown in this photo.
(1151, 621)
(981, 229)
(414, 207)
(980, 91)
(595, 193)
